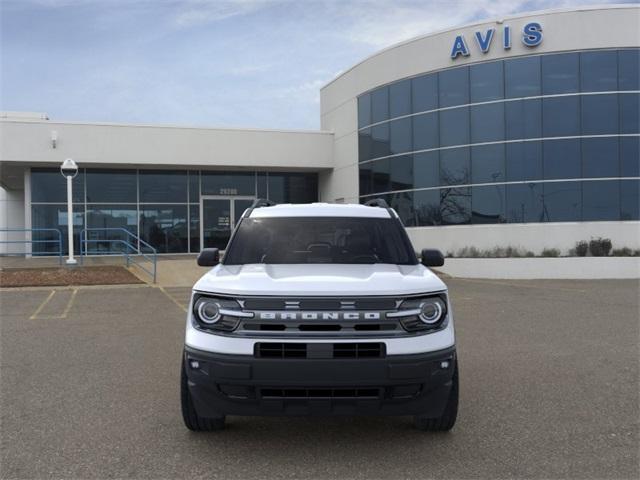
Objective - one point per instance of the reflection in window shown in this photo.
(560, 73)
(402, 203)
(262, 185)
(293, 187)
(488, 204)
(455, 205)
(380, 141)
(630, 157)
(365, 178)
(629, 113)
(524, 203)
(523, 119)
(599, 71)
(426, 169)
(454, 127)
(600, 157)
(228, 183)
(381, 178)
(455, 167)
(487, 123)
(400, 99)
(365, 145)
(118, 219)
(601, 200)
(364, 110)
(194, 227)
(401, 172)
(487, 164)
(424, 93)
(522, 77)
(426, 205)
(168, 186)
(561, 159)
(425, 131)
(599, 114)
(487, 81)
(561, 116)
(562, 201)
(454, 87)
(165, 227)
(48, 185)
(629, 69)
(524, 161)
(400, 135)
(112, 186)
(55, 216)
(380, 105)
(194, 186)
(629, 200)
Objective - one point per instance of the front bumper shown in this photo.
(414, 384)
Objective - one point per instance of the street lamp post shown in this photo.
(69, 170)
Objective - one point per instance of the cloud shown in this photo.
(198, 12)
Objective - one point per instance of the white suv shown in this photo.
(319, 309)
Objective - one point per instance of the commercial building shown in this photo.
(522, 131)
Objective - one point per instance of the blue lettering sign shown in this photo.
(506, 38)
(532, 34)
(485, 42)
(459, 47)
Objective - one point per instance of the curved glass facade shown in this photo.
(541, 138)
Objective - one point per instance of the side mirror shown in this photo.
(432, 258)
(209, 257)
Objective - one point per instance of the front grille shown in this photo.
(319, 350)
(312, 393)
(320, 304)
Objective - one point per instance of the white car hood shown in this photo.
(319, 279)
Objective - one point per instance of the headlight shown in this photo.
(416, 314)
(431, 311)
(214, 313)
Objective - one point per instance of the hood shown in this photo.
(319, 279)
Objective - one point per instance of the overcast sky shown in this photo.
(235, 63)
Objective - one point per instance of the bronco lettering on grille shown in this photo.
(318, 315)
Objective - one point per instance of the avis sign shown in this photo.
(531, 37)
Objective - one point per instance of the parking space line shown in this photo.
(170, 297)
(42, 305)
(68, 307)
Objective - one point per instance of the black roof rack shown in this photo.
(376, 202)
(258, 203)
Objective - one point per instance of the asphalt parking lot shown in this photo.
(549, 389)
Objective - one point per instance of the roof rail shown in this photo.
(257, 203)
(376, 202)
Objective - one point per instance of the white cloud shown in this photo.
(198, 12)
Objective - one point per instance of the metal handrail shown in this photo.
(32, 241)
(129, 247)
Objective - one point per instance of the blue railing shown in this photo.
(131, 248)
(57, 240)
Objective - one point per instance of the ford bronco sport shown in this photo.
(320, 309)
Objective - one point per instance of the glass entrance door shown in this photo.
(219, 216)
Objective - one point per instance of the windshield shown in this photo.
(291, 240)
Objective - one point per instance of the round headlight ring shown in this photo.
(208, 311)
(431, 312)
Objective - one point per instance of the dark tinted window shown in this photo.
(320, 240)
(600, 157)
(365, 178)
(194, 186)
(54, 216)
(561, 159)
(165, 227)
(522, 77)
(400, 135)
(401, 172)
(262, 185)
(364, 110)
(560, 73)
(380, 105)
(523, 119)
(381, 176)
(425, 131)
(524, 203)
(524, 161)
(629, 112)
(488, 204)
(194, 227)
(402, 203)
(629, 200)
(599, 71)
(365, 145)
(426, 169)
(562, 201)
(163, 186)
(454, 87)
(228, 183)
(487, 82)
(112, 186)
(455, 167)
(629, 69)
(48, 185)
(630, 157)
(380, 141)
(487, 164)
(454, 127)
(424, 93)
(426, 205)
(599, 114)
(487, 123)
(455, 205)
(113, 216)
(400, 98)
(293, 187)
(561, 116)
(601, 200)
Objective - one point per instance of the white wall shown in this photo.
(529, 236)
(11, 216)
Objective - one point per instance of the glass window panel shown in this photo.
(400, 135)
(601, 200)
(487, 164)
(401, 172)
(524, 203)
(560, 73)
(629, 69)
(365, 178)
(487, 81)
(599, 71)
(523, 119)
(48, 185)
(630, 156)
(488, 204)
(524, 161)
(454, 127)
(293, 187)
(600, 157)
(194, 227)
(629, 200)
(365, 145)
(380, 141)
(487, 123)
(165, 227)
(402, 203)
(561, 159)
(455, 166)
(424, 93)
(381, 181)
(522, 77)
(54, 216)
(455, 205)
(425, 131)
(364, 110)
(599, 114)
(561, 116)
(112, 186)
(426, 169)
(629, 113)
(562, 201)
(426, 205)
(454, 87)
(400, 98)
(262, 185)
(380, 105)
(194, 186)
(116, 218)
(228, 183)
(165, 186)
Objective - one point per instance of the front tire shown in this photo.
(192, 420)
(448, 418)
